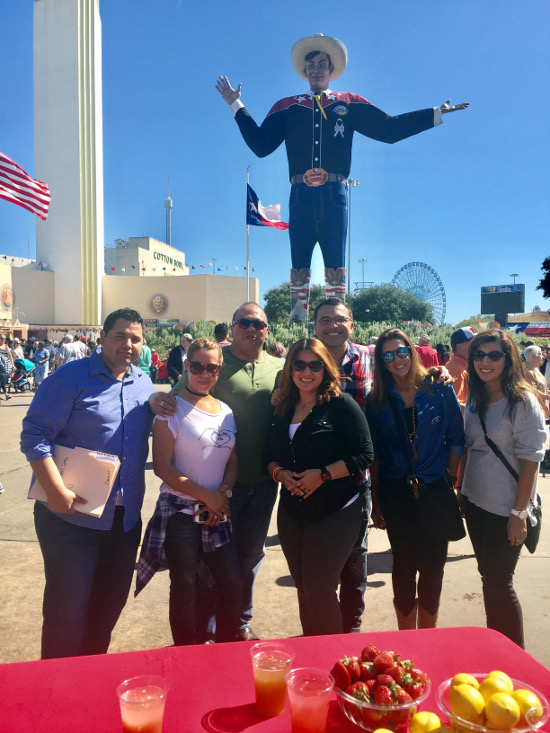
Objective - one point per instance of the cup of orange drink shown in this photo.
(271, 662)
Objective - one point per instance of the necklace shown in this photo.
(413, 418)
(197, 394)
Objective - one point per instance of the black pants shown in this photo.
(414, 552)
(316, 552)
(88, 578)
(496, 561)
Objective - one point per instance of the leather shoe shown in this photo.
(247, 634)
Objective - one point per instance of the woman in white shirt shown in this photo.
(504, 407)
(194, 455)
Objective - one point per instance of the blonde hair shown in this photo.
(382, 378)
(204, 344)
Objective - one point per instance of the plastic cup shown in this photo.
(271, 662)
(142, 703)
(309, 695)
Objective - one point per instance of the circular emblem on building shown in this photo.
(158, 304)
(6, 297)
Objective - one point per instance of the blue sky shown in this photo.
(469, 198)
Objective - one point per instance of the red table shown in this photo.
(211, 687)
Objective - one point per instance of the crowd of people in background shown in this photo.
(246, 420)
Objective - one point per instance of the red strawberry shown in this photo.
(353, 667)
(368, 653)
(402, 716)
(383, 660)
(415, 689)
(398, 674)
(403, 697)
(383, 696)
(359, 690)
(418, 674)
(371, 684)
(384, 680)
(367, 671)
(341, 676)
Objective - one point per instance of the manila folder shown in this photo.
(86, 472)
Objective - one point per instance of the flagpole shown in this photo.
(247, 241)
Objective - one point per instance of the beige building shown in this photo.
(144, 256)
(28, 299)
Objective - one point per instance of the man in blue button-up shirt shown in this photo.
(102, 403)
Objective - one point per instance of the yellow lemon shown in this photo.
(424, 723)
(464, 679)
(383, 730)
(527, 700)
(503, 676)
(467, 703)
(492, 684)
(502, 711)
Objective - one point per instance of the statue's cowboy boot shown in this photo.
(335, 282)
(299, 294)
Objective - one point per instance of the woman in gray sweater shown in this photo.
(504, 407)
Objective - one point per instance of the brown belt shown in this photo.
(317, 177)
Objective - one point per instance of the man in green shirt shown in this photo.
(247, 379)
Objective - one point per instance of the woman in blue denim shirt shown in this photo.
(417, 429)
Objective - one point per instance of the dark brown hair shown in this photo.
(329, 387)
(512, 380)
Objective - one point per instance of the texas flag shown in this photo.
(262, 216)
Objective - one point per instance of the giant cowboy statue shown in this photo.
(317, 128)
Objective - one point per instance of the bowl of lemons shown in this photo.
(489, 703)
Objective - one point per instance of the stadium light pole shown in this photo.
(514, 275)
(362, 261)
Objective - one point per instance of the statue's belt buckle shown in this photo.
(315, 177)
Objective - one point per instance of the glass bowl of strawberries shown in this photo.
(379, 689)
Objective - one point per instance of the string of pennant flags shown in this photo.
(173, 269)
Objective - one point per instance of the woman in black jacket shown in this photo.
(318, 448)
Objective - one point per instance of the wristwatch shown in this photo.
(325, 474)
(523, 514)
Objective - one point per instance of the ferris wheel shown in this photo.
(424, 282)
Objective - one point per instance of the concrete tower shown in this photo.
(168, 206)
(69, 152)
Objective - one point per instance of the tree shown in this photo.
(544, 284)
(388, 303)
(277, 302)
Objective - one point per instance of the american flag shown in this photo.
(18, 187)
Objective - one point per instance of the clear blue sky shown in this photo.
(469, 198)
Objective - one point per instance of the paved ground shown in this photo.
(144, 623)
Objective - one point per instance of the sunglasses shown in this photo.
(401, 353)
(197, 367)
(493, 355)
(299, 365)
(247, 322)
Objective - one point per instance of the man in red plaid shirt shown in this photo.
(333, 322)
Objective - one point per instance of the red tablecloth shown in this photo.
(211, 687)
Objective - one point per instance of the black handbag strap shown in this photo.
(496, 450)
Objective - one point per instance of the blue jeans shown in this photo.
(183, 552)
(318, 214)
(88, 577)
(251, 509)
(496, 561)
(353, 579)
(316, 553)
